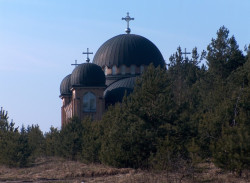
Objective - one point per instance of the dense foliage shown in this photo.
(19, 148)
(175, 117)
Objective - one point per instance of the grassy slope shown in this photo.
(59, 170)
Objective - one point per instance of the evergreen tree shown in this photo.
(36, 140)
(231, 151)
(8, 140)
(124, 143)
(9, 146)
(186, 76)
(91, 140)
(14, 147)
(71, 139)
(224, 55)
(134, 126)
(53, 142)
(23, 151)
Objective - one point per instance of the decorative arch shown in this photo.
(89, 102)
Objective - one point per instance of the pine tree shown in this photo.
(53, 142)
(224, 55)
(231, 152)
(23, 151)
(122, 144)
(71, 139)
(91, 140)
(132, 128)
(36, 140)
(9, 137)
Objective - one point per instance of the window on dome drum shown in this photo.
(123, 69)
(89, 102)
(132, 69)
(141, 69)
(114, 70)
(106, 70)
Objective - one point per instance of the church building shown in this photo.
(92, 87)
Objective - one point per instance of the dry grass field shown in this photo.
(60, 170)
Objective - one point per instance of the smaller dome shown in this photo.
(115, 92)
(65, 86)
(88, 74)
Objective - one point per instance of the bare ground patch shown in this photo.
(60, 170)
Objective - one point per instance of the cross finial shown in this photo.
(75, 64)
(127, 19)
(87, 60)
(185, 53)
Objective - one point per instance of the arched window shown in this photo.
(89, 102)
(141, 69)
(68, 112)
(123, 69)
(132, 69)
(114, 70)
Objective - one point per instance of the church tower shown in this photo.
(82, 92)
(87, 86)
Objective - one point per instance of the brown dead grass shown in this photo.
(60, 170)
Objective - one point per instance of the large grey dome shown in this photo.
(128, 49)
(88, 74)
(65, 86)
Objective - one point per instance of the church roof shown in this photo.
(87, 74)
(128, 49)
(115, 92)
(65, 86)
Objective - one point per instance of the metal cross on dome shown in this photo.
(87, 60)
(75, 64)
(127, 19)
(185, 53)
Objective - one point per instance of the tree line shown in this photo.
(176, 117)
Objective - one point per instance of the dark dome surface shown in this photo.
(65, 86)
(115, 92)
(128, 49)
(88, 74)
